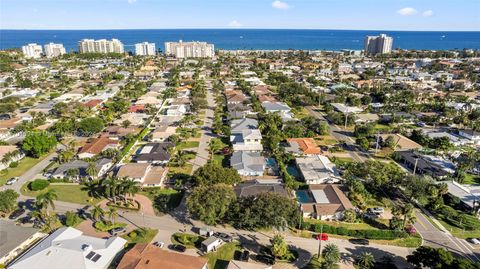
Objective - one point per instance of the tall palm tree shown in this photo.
(331, 255)
(112, 214)
(97, 212)
(92, 188)
(111, 186)
(366, 260)
(46, 199)
(92, 170)
(129, 187)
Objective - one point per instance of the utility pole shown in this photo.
(376, 146)
(320, 242)
(346, 118)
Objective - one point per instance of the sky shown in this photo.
(441, 15)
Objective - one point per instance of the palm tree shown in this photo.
(44, 200)
(130, 187)
(92, 188)
(92, 170)
(215, 145)
(366, 260)
(112, 214)
(331, 255)
(111, 187)
(97, 212)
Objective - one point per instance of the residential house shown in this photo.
(117, 132)
(346, 109)
(135, 119)
(248, 163)
(421, 165)
(96, 146)
(278, 107)
(455, 140)
(148, 256)
(469, 196)
(102, 165)
(134, 171)
(317, 169)
(177, 110)
(15, 240)
(401, 142)
(302, 146)
(471, 135)
(69, 248)
(323, 201)
(156, 153)
(258, 186)
(162, 133)
(235, 97)
(155, 177)
(245, 136)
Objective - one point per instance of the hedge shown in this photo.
(38, 184)
(367, 234)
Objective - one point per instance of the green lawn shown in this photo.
(471, 179)
(350, 226)
(460, 233)
(142, 235)
(409, 242)
(24, 165)
(219, 159)
(186, 169)
(187, 145)
(68, 193)
(219, 259)
(187, 240)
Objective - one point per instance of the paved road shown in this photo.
(434, 237)
(169, 224)
(203, 155)
(340, 135)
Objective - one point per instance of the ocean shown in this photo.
(231, 39)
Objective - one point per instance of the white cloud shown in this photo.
(427, 13)
(280, 5)
(407, 11)
(132, 1)
(235, 24)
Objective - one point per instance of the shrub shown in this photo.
(367, 234)
(13, 164)
(38, 184)
(132, 235)
(72, 219)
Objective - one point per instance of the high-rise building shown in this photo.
(100, 46)
(32, 50)
(378, 44)
(145, 49)
(53, 50)
(189, 49)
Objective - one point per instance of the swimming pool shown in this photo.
(271, 163)
(303, 197)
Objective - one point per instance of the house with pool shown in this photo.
(323, 201)
(317, 169)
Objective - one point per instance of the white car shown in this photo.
(12, 180)
(474, 241)
(159, 244)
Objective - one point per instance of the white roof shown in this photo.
(320, 197)
(69, 248)
(316, 168)
(346, 109)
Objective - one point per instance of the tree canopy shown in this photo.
(213, 173)
(38, 143)
(90, 126)
(8, 200)
(210, 204)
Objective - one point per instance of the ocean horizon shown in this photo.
(249, 39)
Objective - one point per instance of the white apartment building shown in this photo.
(378, 44)
(100, 46)
(145, 49)
(54, 50)
(193, 49)
(32, 50)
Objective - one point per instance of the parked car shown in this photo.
(359, 241)
(225, 237)
(177, 247)
(159, 244)
(371, 215)
(474, 241)
(265, 259)
(12, 180)
(117, 231)
(17, 213)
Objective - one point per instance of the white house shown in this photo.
(69, 248)
(177, 110)
(471, 135)
(211, 244)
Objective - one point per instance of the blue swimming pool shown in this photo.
(271, 163)
(303, 197)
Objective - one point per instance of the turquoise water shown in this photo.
(248, 38)
(292, 170)
(271, 163)
(303, 197)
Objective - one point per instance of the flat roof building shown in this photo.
(193, 49)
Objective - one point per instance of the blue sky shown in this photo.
(305, 14)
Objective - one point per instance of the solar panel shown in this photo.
(90, 255)
(98, 256)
